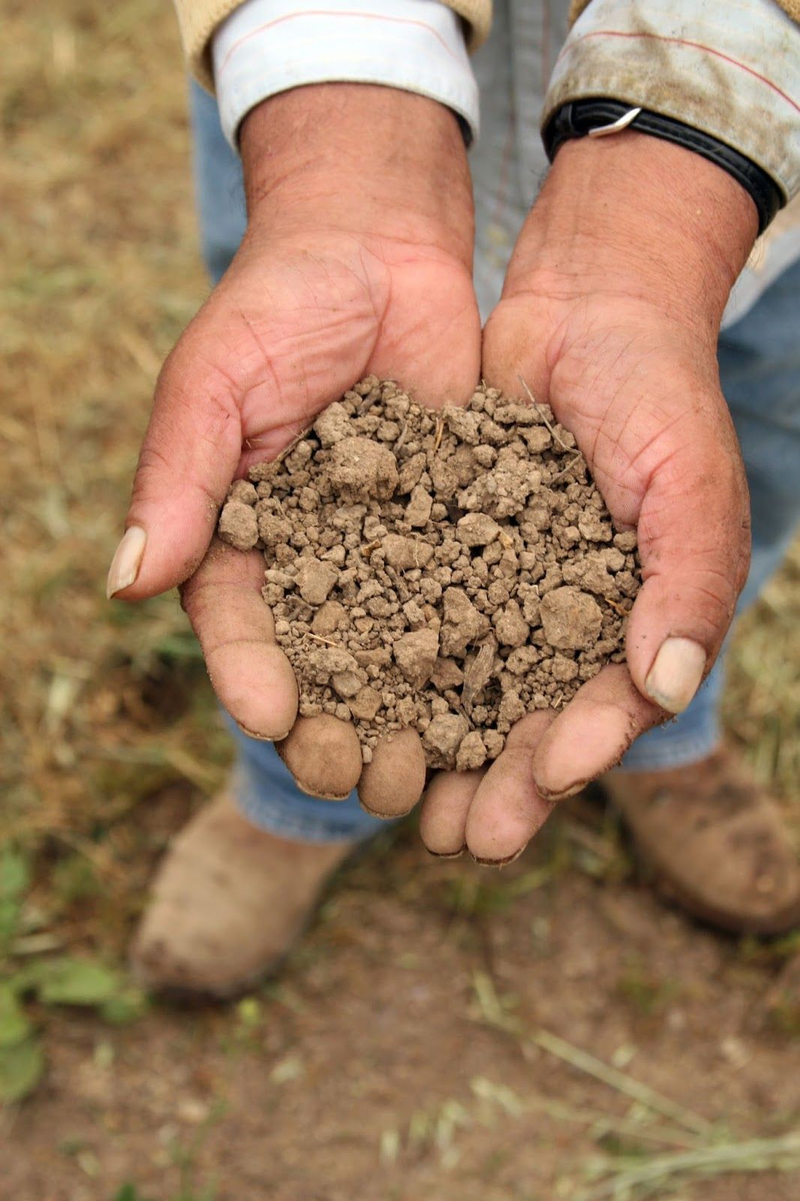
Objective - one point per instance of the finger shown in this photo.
(592, 733)
(251, 676)
(443, 818)
(507, 810)
(694, 543)
(324, 756)
(189, 456)
(392, 783)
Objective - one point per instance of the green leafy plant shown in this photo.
(51, 980)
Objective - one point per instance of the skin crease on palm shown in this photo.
(358, 259)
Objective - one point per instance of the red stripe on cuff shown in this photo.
(616, 33)
(328, 13)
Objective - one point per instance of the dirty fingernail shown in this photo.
(127, 560)
(676, 674)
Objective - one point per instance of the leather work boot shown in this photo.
(227, 903)
(714, 841)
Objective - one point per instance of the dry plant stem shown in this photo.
(621, 1081)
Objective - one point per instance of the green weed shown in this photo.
(46, 980)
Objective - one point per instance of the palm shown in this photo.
(286, 333)
(286, 341)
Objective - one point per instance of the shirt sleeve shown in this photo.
(269, 46)
(731, 70)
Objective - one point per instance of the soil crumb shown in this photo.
(447, 570)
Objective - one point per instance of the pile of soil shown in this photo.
(447, 570)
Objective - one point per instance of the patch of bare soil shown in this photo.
(396, 1057)
(447, 571)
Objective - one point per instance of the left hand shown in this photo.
(357, 260)
(610, 313)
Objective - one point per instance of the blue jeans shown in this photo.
(759, 359)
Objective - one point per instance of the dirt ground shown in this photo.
(429, 1037)
(397, 1057)
(400, 564)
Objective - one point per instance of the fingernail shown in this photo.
(676, 674)
(127, 560)
(560, 794)
(498, 862)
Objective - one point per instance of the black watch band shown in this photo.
(577, 118)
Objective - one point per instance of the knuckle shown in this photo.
(153, 473)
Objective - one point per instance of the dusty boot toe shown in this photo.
(227, 903)
(714, 841)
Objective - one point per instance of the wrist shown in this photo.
(357, 156)
(636, 217)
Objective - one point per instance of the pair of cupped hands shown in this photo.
(358, 260)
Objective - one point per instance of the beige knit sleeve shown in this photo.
(199, 18)
(735, 79)
(792, 7)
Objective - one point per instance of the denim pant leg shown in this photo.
(265, 790)
(759, 359)
(218, 185)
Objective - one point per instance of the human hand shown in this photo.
(610, 313)
(357, 259)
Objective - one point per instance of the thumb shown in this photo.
(659, 441)
(694, 543)
(188, 458)
(515, 349)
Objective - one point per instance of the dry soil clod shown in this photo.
(445, 572)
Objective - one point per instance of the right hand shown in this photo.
(611, 311)
(357, 260)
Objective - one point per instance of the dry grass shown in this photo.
(100, 273)
(104, 707)
(762, 701)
